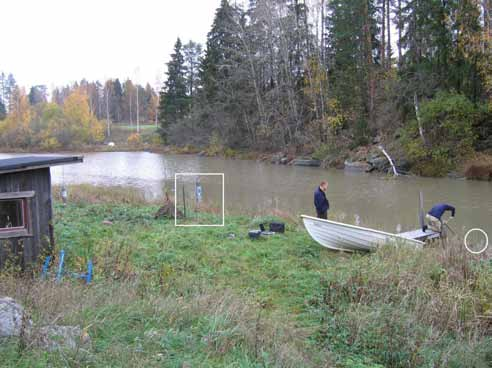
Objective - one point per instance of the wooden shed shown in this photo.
(26, 228)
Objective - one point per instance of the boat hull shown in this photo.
(350, 238)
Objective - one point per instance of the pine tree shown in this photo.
(3, 111)
(38, 94)
(174, 102)
(427, 38)
(351, 46)
(220, 54)
(9, 88)
(116, 101)
(192, 53)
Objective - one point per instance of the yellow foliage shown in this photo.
(337, 118)
(134, 139)
(50, 143)
(49, 126)
(16, 131)
(86, 127)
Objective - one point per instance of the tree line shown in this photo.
(77, 114)
(326, 76)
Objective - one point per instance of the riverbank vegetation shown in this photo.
(185, 297)
(325, 78)
(332, 80)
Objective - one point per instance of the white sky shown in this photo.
(56, 42)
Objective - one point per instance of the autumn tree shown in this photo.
(84, 125)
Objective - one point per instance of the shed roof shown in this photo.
(23, 163)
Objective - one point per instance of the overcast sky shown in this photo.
(56, 42)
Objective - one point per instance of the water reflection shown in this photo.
(250, 186)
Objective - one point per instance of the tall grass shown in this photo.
(408, 308)
(199, 327)
(170, 296)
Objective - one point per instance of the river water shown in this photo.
(251, 187)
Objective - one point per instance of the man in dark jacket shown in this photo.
(320, 202)
(435, 214)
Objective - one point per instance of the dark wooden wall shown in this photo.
(28, 249)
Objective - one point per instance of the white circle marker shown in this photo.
(486, 241)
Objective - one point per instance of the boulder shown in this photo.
(12, 318)
(360, 166)
(284, 160)
(402, 165)
(202, 154)
(306, 162)
(277, 158)
(379, 163)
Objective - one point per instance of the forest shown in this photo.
(78, 115)
(326, 77)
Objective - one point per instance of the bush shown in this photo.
(408, 308)
(134, 139)
(447, 121)
(479, 168)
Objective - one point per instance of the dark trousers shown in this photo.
(322, 215)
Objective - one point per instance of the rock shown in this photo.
(202, 154)
(111, 144)
(360, 166)
(402, 165)
(284, 160)
(107, 222)
(306, 162)
(376, 139)
(455, 175)
(12, 318)
(57, 337)
(379, 163)
(276, 158)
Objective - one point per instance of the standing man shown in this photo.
(435, 214)
(320, 202)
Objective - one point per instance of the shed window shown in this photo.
(12, 214)
(15, 217)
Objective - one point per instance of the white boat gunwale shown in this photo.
(397, 236)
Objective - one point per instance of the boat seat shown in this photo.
(418, 234)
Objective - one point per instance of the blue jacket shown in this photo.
(320, 201)
(438, 210)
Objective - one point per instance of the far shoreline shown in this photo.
(265, 157)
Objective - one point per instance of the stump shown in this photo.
(167, 210)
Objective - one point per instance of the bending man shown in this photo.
(435, 214)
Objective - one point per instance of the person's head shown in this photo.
(324, 185)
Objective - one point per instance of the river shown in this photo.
(251, 187)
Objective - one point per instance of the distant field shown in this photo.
(134, 127)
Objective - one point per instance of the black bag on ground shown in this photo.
(277, 227)
(254, 234)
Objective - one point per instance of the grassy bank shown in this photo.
(189, 297)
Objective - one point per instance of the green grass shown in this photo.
(134, 127)
(199, 297)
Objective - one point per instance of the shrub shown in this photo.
(447, 121)
(134, 139)
(479, 168)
